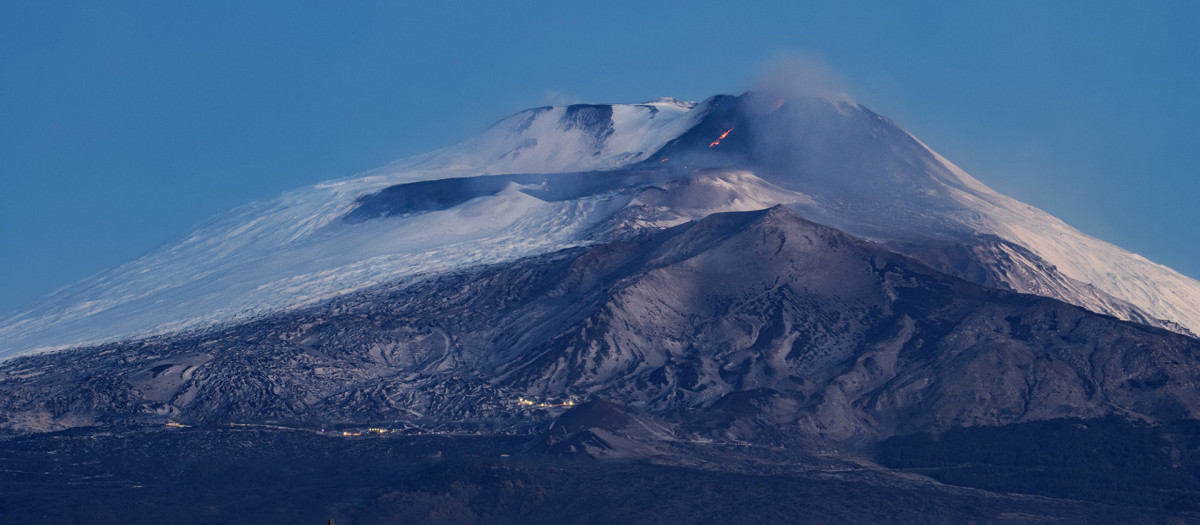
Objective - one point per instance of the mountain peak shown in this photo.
(587, 173)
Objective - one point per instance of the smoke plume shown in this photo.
(800, 76)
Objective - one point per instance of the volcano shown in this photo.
(751, 285)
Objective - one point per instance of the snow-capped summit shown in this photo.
(579, 137)
(551, 178)
(869, 177)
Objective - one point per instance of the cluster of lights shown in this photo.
(528, 403)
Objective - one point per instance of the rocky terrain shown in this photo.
(830, 337)
(737, 343)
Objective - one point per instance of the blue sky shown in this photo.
(124, 124)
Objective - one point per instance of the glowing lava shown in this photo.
(719, 139)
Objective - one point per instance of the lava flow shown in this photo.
(719, 139)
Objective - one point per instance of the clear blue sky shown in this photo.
(124, 124)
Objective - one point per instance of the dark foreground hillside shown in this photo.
(244, 475)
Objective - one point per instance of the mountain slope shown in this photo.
(869, 177)
(553, 178)
(815, 335)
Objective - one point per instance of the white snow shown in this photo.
(238, 273)
(535, 141)
(1156, 289)
(714, 191)
(294, 251)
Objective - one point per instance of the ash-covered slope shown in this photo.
(553, 178)
(757, 326)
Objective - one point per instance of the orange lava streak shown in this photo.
(719, 139)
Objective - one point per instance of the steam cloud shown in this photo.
(558, 98)
(800, 75)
